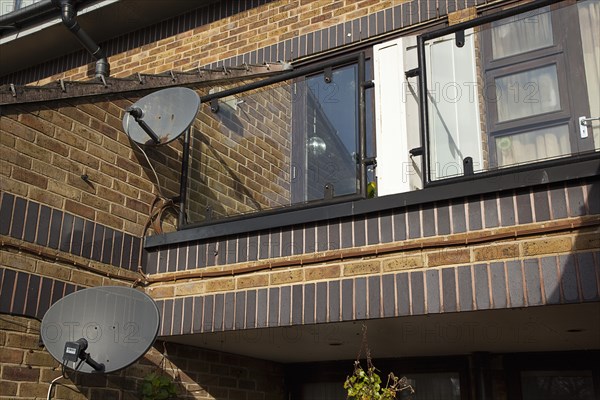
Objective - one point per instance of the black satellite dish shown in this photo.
(101, 329)
(162, 116)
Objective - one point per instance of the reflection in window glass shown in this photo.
(428, 386)
(527, 93)
(440, 386)
(589, 17)
(557, 385)
(522, 33)
(534, 145)
(331, 133)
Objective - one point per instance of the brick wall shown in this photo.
(46, 149)
(240, 156)
(509, 249)
(26, 370)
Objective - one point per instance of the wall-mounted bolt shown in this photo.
(85, 178)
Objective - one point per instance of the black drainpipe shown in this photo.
(68, 14)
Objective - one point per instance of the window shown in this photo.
(325, 135)
(485, 96)
(533, 62)
(557, 385)
(289, 141)
(8, 6)
(518, 90)
(428, 386)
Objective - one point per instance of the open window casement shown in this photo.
(396, 117)
(453, 105)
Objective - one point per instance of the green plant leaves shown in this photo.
(158, 387)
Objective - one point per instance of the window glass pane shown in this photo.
(534, 145)
(440, 386)
(274, 147)
(331, 133)
(522, 33)
(427, 386)
(557, 385)
(527, 93)
(240, 156)
(454, 113)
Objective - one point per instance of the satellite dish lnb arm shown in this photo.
(137, 114)
(76, 350)
(99, 367)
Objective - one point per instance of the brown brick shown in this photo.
(8, 388)
(251, 281)
(79, 209)
(33, 150)
(45, 197)
(85, 158)
(462, 15)
(48, 374)
(11, 356)
(496, 252)
(7, 140)
(56, 118)
(220, 285)
(402, 262)
(40, 359)
(93, 110)
(190, 288)
(64, 189)
(19, 373)
(109, 219)
(547, 246)
(126, 189)
(584, 241)
(52, 145)
(75, 114)
(10, 126)
(101, 153)
(17, 261)
(362, 268)
(123, 212)
(326, 272)
(106, 130)
(29, 177)
(284, 277)
(16, 158)
(70, 393)
(85, 279)
(87, 133)
(110, 170)
(95, 202)
(13, 186)
(53, 270)
(159, 292)
(35, 390)
(448, 257)
(137, 205)
(141, 183)
(14, 324)
(36, 123)
(70, 139)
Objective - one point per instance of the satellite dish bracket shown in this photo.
(137, 115)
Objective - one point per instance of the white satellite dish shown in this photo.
(162, 116)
